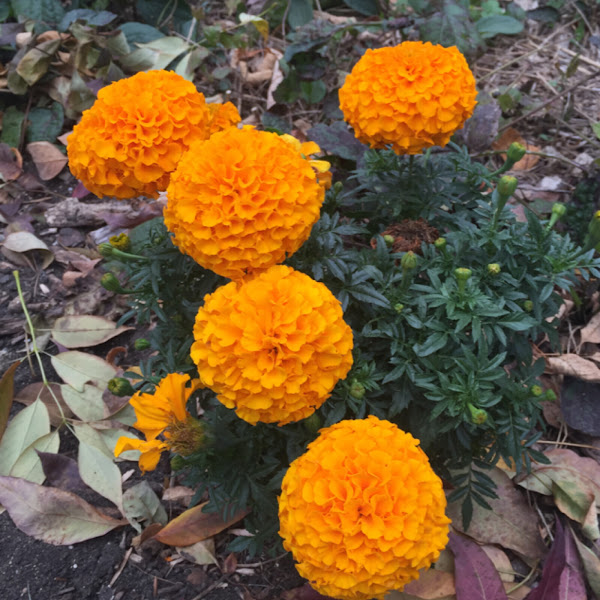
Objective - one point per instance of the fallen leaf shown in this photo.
(579, 402)
(475, 575)
(51, 515)
(62, 472)
(591, 564)
(141, 505)
(11, 163)
(29, 394)
(577, 504)
(78, 368)
(193, 526)
(178, 493)
(201, 553)
(6, 395)
(506, 139)
(100, 473)
(500, 561)
(48, 159)
(28, 465)
(229, 564)
(574, 365)
(562, 578)
(80, 331)
(87, 404)
(432, 585)
(304, 592)
(19, 244)
(511, 523)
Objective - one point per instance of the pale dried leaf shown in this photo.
(591, 332)
(574, 365)
(48, 159)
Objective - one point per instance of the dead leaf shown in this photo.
(591, 332)
(52, 515)
(229, 564)
(29, 394)
(304, 592)
(574, 365)
(48, 159)
(6, 395)
(201, 553)
(82, 331)
(511, 523)
(506, 139)
(178, 493)
(193, 526)
(20, 247)
(501, 562)
(591, 564)
(62, 472)
(579, 403)
(432, 585)
(11, 163)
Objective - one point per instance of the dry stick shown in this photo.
(551, 100)
(567, 444)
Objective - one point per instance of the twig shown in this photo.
(568, 444)
(522, 583)
(550, 101)
(209, 589)
(121, 567)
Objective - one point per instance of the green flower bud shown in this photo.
(593, 237)
(398, 307)
(357, 390)
(121, 242)
(478, 415)
(507, 186)
(109, 282)
(559, 209)
(463, 274)
(313, 423)
(338, 186)
(141, 344)
(528, 305)
(105, 250)
(119, 386)
(177, 463)
(440, 243)
(409, 261)
(551, 395)
(536, 390)
(494, 269)
(515, 152)
(388, 239)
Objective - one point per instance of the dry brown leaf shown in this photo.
(512, 135)
(591, 332)
(11, 163)
(432, 585)
(29, 394)
(574, 365)
(501, 562)
(48, 159)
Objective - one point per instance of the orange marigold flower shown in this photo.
(272, 347)
(411, 96)
(362, 510)
(242, 201)
(132, 138)
(164, 412)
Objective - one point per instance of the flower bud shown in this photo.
(550, 395)
(121, 242)
(388, 239)
(507, 186)
(493, 269)
(559, 209)
(338, 186)
(119, 386)
(515, 152)
(593, 236)
(528, 305)
(141, 344)
(409, 260)
(478, 415)
(357, 390)
(536, 390)
(109, 282)
(105, 250)
(313, 423)
(462, 274)
(398, 307)
(440, 243)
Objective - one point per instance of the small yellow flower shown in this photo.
(164, 412)
(272, 347)
(362, 511)
(411, 96)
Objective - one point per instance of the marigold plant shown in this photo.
(132, 138)
(247, 210)
(272, 347)
(164, 412)
(411, 96)
(362, 510)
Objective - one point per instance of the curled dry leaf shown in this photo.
(53, 516)
(591, 332)
(512, 135)
(20, 247)
(11, 163)
(48, 159)
(201, 553)
(574, 365)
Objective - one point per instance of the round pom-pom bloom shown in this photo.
(132, 138)
(242, 201)
(411, 96)
(272, 347)
(362, 510)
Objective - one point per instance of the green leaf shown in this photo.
(140, 33)
(493, 25)
(337, 139)
(12, 125)
(259, 23)
(88, 16)
(47, 12)
(544, 14)
(45, 124)
(595, 128)
(6, 395)
(364, 7)
(191, 61)
(157, 54)
(432, 344)
(300, 13)
(100, 473)
(26, 427)
(313, 91)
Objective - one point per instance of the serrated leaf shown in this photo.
(25, 428)
(6, 395)
(51, 515)
(100, 473)
(80, 331)
(78, 368)
(28, 466)
(142, 505)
